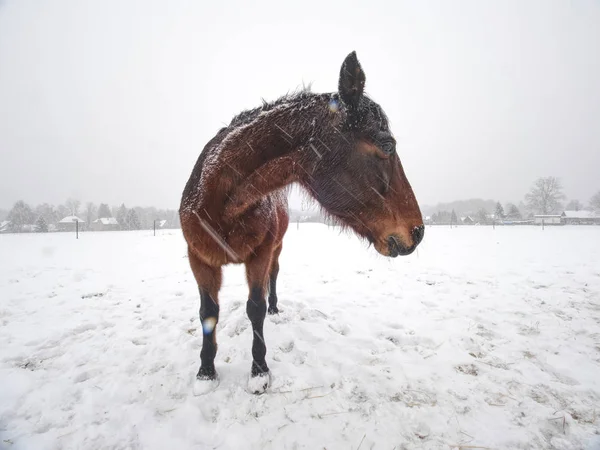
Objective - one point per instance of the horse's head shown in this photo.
(360, 180)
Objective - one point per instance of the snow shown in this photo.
(483, 337)
(204, 386)
(580, 214)
(71, 219)
(107, 221)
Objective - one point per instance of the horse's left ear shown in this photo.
(352, 81)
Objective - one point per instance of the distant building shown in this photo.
(5, 226)
(467, 220)
(568, 218)
(517, 222)
(105, 224)
(69, 223)
(580, 218)
(548, 219)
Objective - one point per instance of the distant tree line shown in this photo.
(44, 217)
(544, 198)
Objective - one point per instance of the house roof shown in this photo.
(579, 215)
(107, 221)
(4, 225)
(70, 219)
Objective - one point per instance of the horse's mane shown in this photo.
(298, 96)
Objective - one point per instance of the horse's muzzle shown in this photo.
(397, 248)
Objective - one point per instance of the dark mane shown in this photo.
(301, 96)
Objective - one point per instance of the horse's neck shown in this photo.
(258, 158)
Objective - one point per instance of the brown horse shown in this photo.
(339, 148)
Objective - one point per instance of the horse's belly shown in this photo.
(261, 225)
(264, 224)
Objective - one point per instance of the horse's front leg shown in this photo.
(209, 283)
(257, 274)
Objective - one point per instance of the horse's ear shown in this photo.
(352, 81)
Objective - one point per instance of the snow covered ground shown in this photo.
(483, 338)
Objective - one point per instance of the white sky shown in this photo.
(112, 101)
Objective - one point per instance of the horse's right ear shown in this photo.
(352, 81)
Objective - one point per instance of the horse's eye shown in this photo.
(387, 147)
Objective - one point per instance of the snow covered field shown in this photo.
(483, 338)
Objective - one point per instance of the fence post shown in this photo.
(154, 225)
(542, 224)
(76, 229)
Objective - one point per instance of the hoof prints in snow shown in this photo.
(467, 343)
(468, 369)
(93, 295)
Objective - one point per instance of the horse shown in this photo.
(338, 147)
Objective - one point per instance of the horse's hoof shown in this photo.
(207, 373)
(205, 385)
(273, 310)
(258, 384)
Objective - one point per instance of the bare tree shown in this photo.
(20, 215)
(122, 216)
(512, 212)
(73, 206)
(482, 216)
(499, 211)
(544, 196)
(48, 212)
(574, 205)
(62, 211)
(90, 210)
(595, 202)
(132, 220)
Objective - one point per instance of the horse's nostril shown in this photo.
(394, 246)
(417, 234)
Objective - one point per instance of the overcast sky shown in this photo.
(112, 101)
